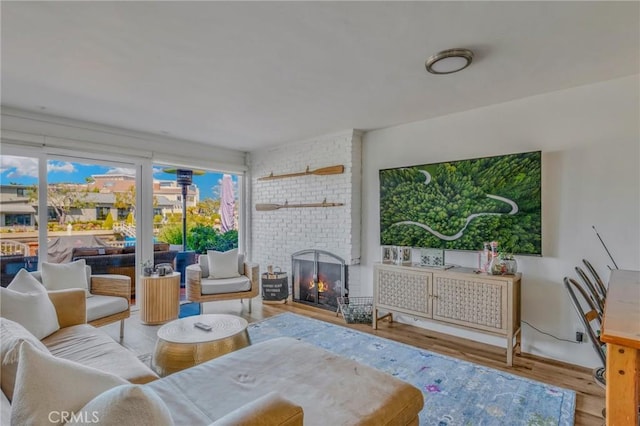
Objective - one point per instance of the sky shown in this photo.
(24, 170)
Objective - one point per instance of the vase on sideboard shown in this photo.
(501, 265)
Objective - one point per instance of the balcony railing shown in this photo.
(12, 248)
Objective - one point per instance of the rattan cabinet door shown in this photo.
(470, 301)
(403, 290)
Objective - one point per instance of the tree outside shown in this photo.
(63, 199)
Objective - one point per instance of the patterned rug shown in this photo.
(189, 310)
(455, 392)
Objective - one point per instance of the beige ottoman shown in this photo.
(181, 345)
(332, 390)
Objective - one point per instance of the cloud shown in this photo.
(28, 166)
(157, 170)
(19, 166)
(121, 171)
(60, 166)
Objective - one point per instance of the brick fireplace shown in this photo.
(276, 235)
(318, 278)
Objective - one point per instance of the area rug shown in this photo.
(455, 392)
(189, 310)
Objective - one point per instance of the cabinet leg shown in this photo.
(511, 348)
(374, 320)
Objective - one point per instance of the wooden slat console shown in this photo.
(456, 297)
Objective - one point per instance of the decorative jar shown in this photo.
(503, 265)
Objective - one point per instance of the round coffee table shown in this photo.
(180, 345)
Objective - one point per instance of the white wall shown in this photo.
(590, 140)
(277, 234)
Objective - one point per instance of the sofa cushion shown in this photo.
(24, 282)
(95, 251)
(161, 247)
(203, 261)
(29, 305)
(38, 274)
(102, 306)
(84, 251)
(5, 411)
(47, 385)
(127, 405)
(342, 391)
(61, 276)
(128, 249)
(241, 270)
(271, 408)
(223, 264)
(92, 347)
(12, 335)
(225, 285)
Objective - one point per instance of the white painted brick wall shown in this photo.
(276, 234)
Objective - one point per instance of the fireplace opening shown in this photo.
(319, 278)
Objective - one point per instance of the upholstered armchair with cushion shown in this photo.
(108, 296)
(222, 276)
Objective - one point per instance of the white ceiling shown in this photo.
(251, 75)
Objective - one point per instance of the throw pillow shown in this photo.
(12, 335)
(131, 405)
(49, 389)
(30, 306)
(223, 265)
(61, 276)
(203, 261)
(24, 282)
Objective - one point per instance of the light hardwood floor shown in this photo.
(141, 340)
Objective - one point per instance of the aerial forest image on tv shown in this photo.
(458, 205)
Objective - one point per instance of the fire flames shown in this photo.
(322, 286)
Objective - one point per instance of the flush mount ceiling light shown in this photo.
(449, 61)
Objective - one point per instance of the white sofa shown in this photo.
(278, 382)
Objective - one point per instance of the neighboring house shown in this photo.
(15, 208)
(172, 191)
(102, 204)
(167, 193)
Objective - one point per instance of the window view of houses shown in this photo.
(95, 205)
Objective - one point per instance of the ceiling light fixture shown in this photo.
(449, 61)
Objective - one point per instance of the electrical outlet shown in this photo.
(579, 336)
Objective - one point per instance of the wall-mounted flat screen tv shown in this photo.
(459, 205)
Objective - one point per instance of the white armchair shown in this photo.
(109, 298)
(202, 287)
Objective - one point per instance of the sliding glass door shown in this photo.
(195, 210)
(18, 215)
(59, 209)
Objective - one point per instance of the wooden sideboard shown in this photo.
(456, 297)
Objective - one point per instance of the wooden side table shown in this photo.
(159, 298)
